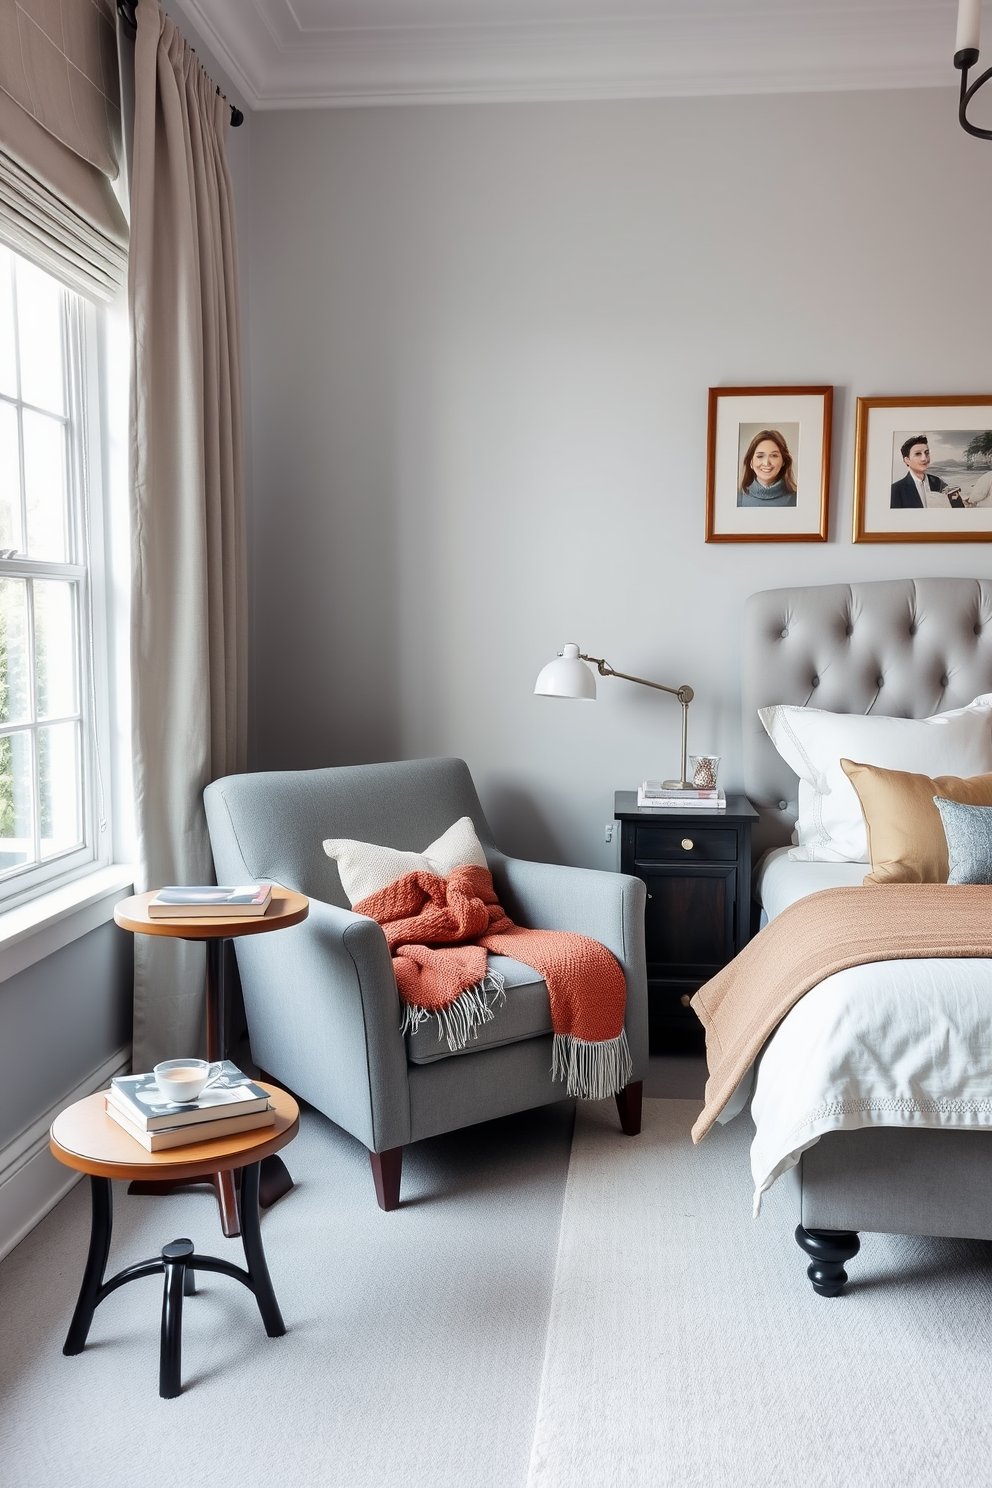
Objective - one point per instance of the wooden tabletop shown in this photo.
(286, 907)
(84, 1137)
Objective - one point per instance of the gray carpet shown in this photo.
(686, 1349)
(414, 1344)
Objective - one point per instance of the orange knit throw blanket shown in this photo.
(439, 930)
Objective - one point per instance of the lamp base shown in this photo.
(677, 784)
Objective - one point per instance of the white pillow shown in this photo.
(365, 867)
(831, 824)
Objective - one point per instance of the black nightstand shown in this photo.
(697, 868)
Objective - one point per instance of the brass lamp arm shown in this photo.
(684, 694)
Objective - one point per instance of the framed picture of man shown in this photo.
(923, 469)
(768, 464)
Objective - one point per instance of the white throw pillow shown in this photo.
(831, 824)
(365, 867)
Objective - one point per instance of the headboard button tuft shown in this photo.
(912, 630)
(783, 633)
(814, 681)
(943, 681)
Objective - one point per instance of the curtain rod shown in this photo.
(126, 9)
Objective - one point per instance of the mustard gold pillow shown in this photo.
(906, 840)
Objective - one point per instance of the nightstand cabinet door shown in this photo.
(696, 866)
(690, 920)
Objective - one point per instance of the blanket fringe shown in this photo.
(463, 1018)
(593, 1071)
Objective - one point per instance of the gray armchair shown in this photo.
(321, 1000)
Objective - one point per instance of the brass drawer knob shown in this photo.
(685, 999)
(688, 844)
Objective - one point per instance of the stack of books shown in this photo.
(233, 1103)
(654, 793)
(184, 903)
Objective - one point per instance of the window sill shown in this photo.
(35, 930)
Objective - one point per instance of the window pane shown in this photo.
(14, 691)
(8, 362)
(44, 486)
(55, 647)
(60, 788)
(39, 320)
(16, 831)
(10, 479)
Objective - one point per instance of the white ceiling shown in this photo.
(318, 53)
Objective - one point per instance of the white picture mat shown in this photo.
(768, 410)
(883, 423)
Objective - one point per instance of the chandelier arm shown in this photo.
(968, 92)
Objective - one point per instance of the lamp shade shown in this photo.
(567, 677)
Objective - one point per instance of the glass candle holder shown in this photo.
(703, 770)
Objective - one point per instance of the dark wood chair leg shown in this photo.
(629, 1105)
(829, 1250)
(386, 1170)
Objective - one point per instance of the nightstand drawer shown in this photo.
(685, 844)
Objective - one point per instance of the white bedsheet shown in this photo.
(894, 1043)
(779, 882)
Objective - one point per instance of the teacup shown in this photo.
(185, 1079)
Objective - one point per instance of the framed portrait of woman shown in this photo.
(768, 464)
(923, 469)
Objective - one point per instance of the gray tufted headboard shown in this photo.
(903, 647)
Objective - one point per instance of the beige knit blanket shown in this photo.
(824, 933)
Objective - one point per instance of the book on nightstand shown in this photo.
(651, 794)
(183, 1136)
(184, 903)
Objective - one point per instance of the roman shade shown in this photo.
(60, 141)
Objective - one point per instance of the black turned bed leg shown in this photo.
(829, 1249)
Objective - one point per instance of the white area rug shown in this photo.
(686, 1348)
(412, 1357)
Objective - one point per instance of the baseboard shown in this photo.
(31, 1181)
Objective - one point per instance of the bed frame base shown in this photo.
(829, 1250)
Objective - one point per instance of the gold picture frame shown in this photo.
(779, 436)
(903, 493)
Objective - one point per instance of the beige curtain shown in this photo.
(189, 605)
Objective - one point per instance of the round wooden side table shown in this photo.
(84, 1137)
(286, 908)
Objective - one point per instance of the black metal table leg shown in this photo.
(170, 1365)
(101, 1228)
(251, 1238)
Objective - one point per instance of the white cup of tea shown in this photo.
(185, 1079)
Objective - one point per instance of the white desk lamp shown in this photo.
(568, 677)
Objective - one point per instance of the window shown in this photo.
(51, 808)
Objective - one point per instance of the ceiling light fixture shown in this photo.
(965, 56)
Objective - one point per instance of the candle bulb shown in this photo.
(969, 25)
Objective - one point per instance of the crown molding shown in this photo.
(279, 61)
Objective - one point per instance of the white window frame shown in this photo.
(85, 360)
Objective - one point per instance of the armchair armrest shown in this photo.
(608, 907)
(341, 1049)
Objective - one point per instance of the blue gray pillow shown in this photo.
(968, 830)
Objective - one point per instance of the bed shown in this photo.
(903, 649)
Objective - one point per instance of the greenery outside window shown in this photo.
(52, 814)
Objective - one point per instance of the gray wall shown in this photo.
(61, 1018)
(482, 339)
